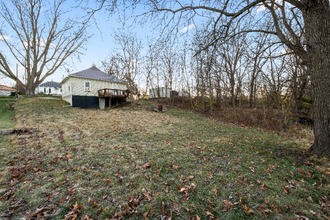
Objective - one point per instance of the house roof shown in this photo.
(94, 73)
(51, 84)
(3, 87)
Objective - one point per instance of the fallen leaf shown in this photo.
(215, 190)
(145, 216)
(147, 165)
(95, 203)
(176, 207)
(208, 213)
(247, 210)
(190, 177)
(310, 199)
(69, 156)
(228, 203)
(286, 190)
(175, 167)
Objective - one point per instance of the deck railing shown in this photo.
(112, 93)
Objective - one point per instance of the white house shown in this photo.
(5, 90)
(183, 94)
(50, 88)
(162, 92)
(81, 89)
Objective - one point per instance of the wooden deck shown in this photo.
(111, 97)
(112, 93)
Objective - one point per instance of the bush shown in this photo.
(13, 93)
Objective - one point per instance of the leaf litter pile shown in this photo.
(134, 164)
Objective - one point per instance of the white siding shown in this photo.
(162, 92)
(5, 93)
(182, 94)
(66, 93)
(54, 91)
(78, 86)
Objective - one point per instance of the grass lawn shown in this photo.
(6, 115)
(135, 164)
(45, 95)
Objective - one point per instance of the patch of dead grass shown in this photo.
(133, 163)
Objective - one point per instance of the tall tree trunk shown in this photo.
(317, 24)
(29, 90)
(251, 91)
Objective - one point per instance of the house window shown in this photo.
(114, 87)
(50, 91)
(87, 86)
(69, 88)
(60, 90)
(44, 90)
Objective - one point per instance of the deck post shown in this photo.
(102, 103)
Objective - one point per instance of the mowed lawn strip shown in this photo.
(135, 164)
(6, 115)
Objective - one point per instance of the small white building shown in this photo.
(81, 89)
(183, 94)
(50, 88)
(5, 90)
(161, 92)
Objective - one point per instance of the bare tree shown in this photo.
(312, 45)
(124, 62)
(233, 52)
(169, 61)
(257, 60)
(42, 42)
(150, 64)
(299, 81)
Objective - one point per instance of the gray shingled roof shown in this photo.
(51, 84)
(97, 74)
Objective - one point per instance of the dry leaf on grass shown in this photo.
(247, 210)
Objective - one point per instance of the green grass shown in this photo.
(132, 162)
(45, 95)
(6, 115)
